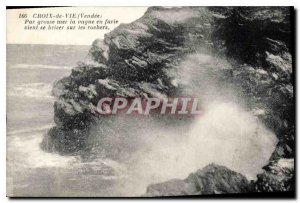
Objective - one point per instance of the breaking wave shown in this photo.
(32, 90)
(39, 66)
(155, 150)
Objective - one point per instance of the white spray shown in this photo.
(154, 150)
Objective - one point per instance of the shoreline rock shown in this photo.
(212, 179)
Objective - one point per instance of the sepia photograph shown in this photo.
(145, 102)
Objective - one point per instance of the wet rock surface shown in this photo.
(278, 176)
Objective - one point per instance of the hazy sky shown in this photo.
(17, 35)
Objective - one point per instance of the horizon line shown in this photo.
(49, 44)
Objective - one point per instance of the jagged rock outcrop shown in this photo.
(139, 60)
(278, 176)
(212, 179)
(134, 60)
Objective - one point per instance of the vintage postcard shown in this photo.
(150, 102)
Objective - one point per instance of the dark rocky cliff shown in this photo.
(134, 60)
(139, 60)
